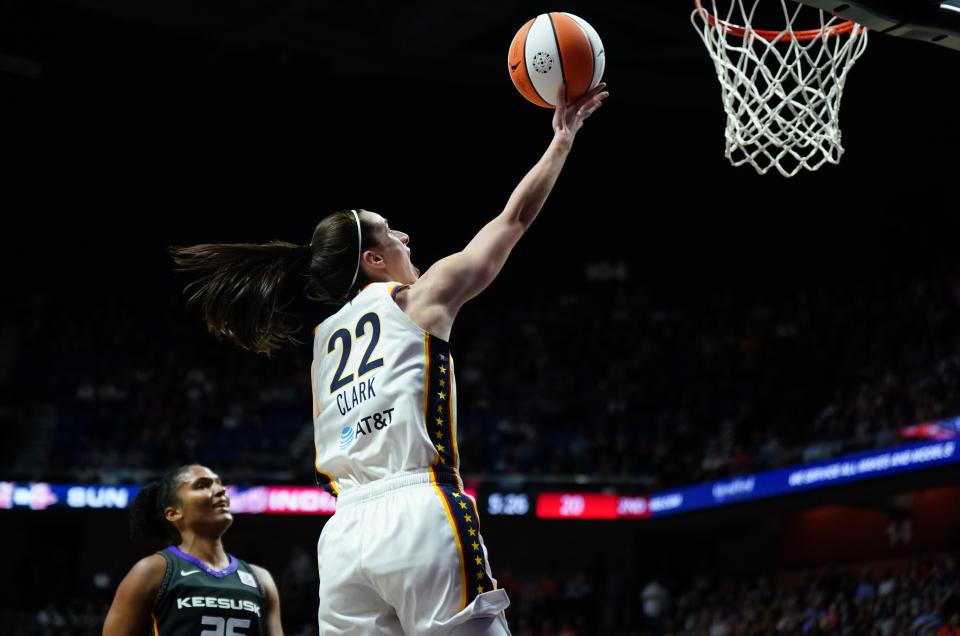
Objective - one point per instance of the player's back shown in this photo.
(384, 394)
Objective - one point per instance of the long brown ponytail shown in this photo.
(240, 286)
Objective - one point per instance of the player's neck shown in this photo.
(208, 550)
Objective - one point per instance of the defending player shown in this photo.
(192, 587)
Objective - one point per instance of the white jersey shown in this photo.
(384, 395)
(384, 426)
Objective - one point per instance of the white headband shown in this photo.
(359, 248)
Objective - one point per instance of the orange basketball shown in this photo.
(551, 49)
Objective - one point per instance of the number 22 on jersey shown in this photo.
(344, 337)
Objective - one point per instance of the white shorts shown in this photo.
(403, 555)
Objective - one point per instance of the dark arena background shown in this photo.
(696, 401)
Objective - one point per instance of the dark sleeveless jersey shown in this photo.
(196, 600)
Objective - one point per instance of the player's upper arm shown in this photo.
(132, 605)
(454, 280)
(272, 618)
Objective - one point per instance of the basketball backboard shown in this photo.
(935, 21)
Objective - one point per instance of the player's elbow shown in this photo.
(524, 220)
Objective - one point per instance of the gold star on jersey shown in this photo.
(439, 407)
(439, 417)
(465, 521)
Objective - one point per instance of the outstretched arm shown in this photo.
(436, 298)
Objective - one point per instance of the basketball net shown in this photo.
(781, 89)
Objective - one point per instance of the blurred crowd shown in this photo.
(915, 599)
(710, 386)
(920, 597)
(599, 379)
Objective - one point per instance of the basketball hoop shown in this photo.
(781, 89)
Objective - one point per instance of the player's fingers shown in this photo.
(561, 98)
(594, 95)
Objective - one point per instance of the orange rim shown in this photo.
(809, 34)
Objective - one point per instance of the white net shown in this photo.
(781, 88)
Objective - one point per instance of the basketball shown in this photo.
(551, 49)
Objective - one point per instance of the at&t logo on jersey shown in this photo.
(346, 436)
(366, 426)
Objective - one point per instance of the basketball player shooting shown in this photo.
(403, 554)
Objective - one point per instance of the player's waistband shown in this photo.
(425, 476)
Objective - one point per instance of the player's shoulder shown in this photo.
(369, 293)
(379, 291)
(262, 573)
(264, 577)
(153, 563)
(148, 572)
